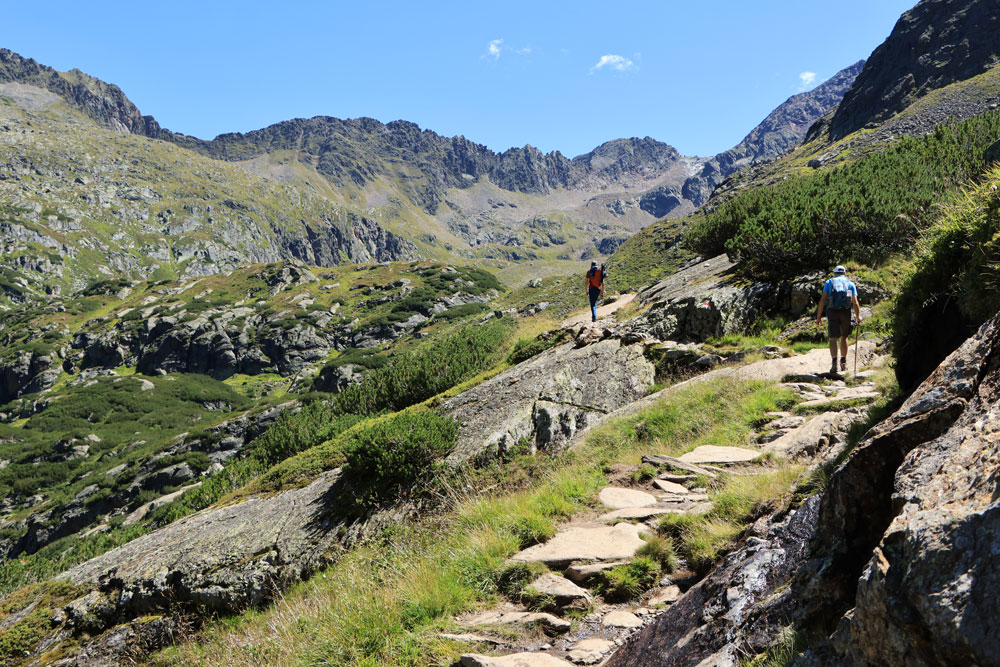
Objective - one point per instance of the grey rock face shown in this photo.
(545, 400)
(28, 372)
(934, 44)
(703, 301)
(223, 558)
(930, 589)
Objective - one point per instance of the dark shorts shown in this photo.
(838, 323)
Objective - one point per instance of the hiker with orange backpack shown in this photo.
(595, 287)
(841, 295)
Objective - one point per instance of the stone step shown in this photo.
(513, 660)
(621, 618)
(562, 590)
(581, 573)
(586, 542)
(671, 487)
(619, 498)
(589, 651)
(638, 513)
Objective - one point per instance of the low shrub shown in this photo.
(392, 454)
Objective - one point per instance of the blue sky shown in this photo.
(557, 75)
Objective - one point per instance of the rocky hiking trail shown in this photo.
(583, 628)
(603, 311)
(232, 556)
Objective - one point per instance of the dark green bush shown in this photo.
(394, 453)
(863, 211)
(365, 357)
(410, 378)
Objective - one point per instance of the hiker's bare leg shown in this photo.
(833, 348)
(843, 347)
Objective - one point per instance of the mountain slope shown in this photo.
(452, 196)
(82, 202)
(782, 129)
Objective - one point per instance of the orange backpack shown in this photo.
(596, 276)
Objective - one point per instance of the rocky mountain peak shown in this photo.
(103, 102)
(935, 43)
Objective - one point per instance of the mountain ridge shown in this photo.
(444, 161)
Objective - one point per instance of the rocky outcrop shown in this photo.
(706, 300)
(103, 102)
(935, 43)
(28, 372)
(223, 558)
(545, 401)
(912, 520)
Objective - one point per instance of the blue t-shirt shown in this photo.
(852, 291)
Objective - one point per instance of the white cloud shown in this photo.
(615, 62)
(807, 79)
(493, 50)
(523, 52)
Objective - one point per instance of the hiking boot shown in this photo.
(843, 364)
(833, 366)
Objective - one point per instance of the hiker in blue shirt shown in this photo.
(841, 295)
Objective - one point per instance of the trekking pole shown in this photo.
(857, 334)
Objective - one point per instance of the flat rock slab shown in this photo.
(589, 651)
(685, 498)
(546, 621)
(822, 437)
(581, 573)
(223, 558)
(666, 595)
(621, 619)
(561, 588)
(639, 513)
(676, 478)
(864, 393)
(717, 454)
(670, 487)
(513, 660)
(788, 422)
(618, 498)
(586, 543)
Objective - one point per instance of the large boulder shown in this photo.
(707, 299)
(547, 399)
